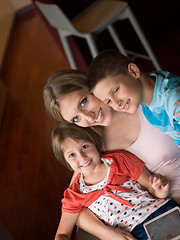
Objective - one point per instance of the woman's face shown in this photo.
(84, 109)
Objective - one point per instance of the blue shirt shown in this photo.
(161, 112)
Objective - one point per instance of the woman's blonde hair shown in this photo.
(70, 130)
(58, 85)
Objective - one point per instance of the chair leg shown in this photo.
(142, 38)
(68, 51)
(92, 45)
(116, 39)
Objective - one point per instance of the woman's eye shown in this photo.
(75, 119)
(71, 155)
(116, 89)
(83, 102)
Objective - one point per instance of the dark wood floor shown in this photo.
(31, 180)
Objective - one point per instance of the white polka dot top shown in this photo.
(120, 215)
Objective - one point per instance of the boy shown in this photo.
(120, 83)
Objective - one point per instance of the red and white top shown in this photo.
(118, 199)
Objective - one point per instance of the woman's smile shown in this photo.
(99, 117)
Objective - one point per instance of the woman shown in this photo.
(67, 98)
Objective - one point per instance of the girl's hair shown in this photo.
(70, 130)
(107, 63)
(58, 85)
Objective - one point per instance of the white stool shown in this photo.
(97, 17)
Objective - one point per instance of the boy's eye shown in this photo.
(75, 119)
(108, 101)
(83, 102)
(84, 147)
(116, 89)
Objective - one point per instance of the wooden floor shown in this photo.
(31, 180)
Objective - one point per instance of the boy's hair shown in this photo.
(58, 85)
(107, 63)
(70, 130)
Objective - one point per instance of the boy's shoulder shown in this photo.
(164, 75)
(166, 82)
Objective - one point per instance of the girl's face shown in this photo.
(122, 92)
(84, 109)
(82, 156)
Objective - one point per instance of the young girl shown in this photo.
(111, 185)
(118, 82)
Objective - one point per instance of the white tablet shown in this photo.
(164, 227)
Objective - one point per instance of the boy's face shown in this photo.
(122, 92)
(82, 156)
(84, 109)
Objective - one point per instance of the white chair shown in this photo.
(97, 17)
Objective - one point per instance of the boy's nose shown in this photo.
(117, 104)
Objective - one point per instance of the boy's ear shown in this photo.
(134, 70)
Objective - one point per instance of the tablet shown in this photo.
(165, 226)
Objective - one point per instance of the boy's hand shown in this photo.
(159, 183)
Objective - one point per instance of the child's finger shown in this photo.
(152, 179)
(166, 187)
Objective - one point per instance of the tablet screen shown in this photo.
(164, 227)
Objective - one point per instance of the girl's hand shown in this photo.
(159, 183)
(156, 185)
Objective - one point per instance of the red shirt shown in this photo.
(125, 165)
